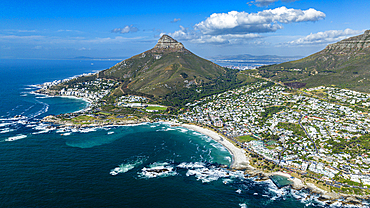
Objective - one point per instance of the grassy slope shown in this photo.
(344, 71)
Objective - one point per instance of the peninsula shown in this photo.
(318, 137)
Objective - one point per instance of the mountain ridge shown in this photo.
(345, 64)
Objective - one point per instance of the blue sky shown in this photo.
(121, 29)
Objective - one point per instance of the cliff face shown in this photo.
(350, 45)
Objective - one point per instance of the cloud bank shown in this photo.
(264, 21)
(325, 37)
(232, 27)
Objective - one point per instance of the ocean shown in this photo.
(114, 166)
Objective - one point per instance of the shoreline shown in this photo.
(87, 100)
(239, 158)
(240, 161)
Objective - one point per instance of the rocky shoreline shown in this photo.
(239, 159)
(297, 184)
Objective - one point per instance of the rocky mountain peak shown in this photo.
(167, 42)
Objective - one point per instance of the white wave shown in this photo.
(6, 130)
(14, 138)
(66, 134)
(24, 122)
(207, 175)
(227, 180)
(183, 130)
(14, 118)
(41, 127)
(110, 132)
(41, 132)
(87, 130)
(170, 129)
(44, 109)
(125, 167)
(62, 130)
(34, 86)
(158, 170)
(219, 146)
(5, 124)
(228, 158)
(243, 205)
(191, 165)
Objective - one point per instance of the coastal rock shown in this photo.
(50, 119)
(330, 196)
(297, 184)
(352, 201)
(261, 176)
(315, 190)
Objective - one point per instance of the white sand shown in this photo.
(240, 160)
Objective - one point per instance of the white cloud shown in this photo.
(175, 20)
(197, 37)
(126, 29)
(264, 21)
(226, 39)
(325, 37)
(262, 3)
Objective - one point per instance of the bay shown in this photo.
(106, 167)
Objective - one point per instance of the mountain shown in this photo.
(344, 64)
(251, 59)
(166, 68)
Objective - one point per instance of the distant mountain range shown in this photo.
(345, 64)
(252, 60)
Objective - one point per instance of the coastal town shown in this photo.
(318, 134)
(295, 130)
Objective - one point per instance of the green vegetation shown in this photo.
(296, 128)
(245, 138)
(338, 65)
(354, 146)
(159, 108)
(230, 80)
(269, 111)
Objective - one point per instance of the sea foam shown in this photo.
(125, 167)
(14, 138)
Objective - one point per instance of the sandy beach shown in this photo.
(239, 161)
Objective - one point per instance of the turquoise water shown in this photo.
(280, 181)
(112, 166)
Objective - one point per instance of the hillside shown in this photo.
(168, 74)
(345, 64)
(168, 67)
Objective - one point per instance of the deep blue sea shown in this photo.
(41, 166)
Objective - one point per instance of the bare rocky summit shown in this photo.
(168, 42)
